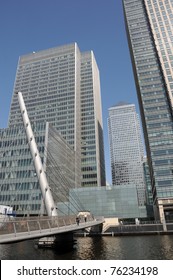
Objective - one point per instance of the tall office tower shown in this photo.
(93, 163)
(149, 27)
(126, 148)
(54, 82)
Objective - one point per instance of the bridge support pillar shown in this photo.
(64, 242)
(96, 229)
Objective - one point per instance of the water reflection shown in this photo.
(97, 248)
(167, 247)
(91, 248)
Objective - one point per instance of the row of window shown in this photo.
(17, 174)
(20, 186)
(89, 176)
(20, 197)
(163, 162)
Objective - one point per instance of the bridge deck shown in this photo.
(33, 228)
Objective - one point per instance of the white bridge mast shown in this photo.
(45, 189)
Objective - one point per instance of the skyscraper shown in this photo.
(92, 160)
(62, 86)
(126, 148)
(50, 83)
(149, 26)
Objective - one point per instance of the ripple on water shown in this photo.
(154, 247)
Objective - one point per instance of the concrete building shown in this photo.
(126, 148)
(150, 36)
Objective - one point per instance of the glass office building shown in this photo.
(149, 26)
(149, 196)
(108, 201)
(92, 154)
(19, 185)
(126, 148)
(62, 86)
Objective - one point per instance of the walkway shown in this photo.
(144, 228)
(34, 228)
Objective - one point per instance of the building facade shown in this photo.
(108, 201)
(19, 185)
(92, 154)
(62, 86)
(61, 91)
(149, 26)
(126, 148)
(149, 196)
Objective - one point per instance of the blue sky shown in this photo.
(98, 25)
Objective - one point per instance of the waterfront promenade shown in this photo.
(144, 228)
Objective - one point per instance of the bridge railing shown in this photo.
(19, 225)
(28, 224)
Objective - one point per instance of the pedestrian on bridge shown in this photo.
(77, 220)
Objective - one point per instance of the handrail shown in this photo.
(20, 230)
(30, 224)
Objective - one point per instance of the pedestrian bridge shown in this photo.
(20, 229)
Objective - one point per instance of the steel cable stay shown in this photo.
(61, 175)
(60, 210)
(65, 181)
(64, 193)
(74, 204)
(65, 203)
